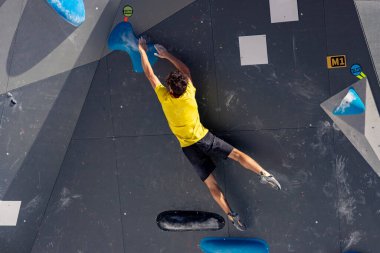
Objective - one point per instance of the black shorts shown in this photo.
(200, 153)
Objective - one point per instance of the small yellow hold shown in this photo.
(361, 76)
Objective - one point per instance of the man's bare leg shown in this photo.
(250, 164)
(218, 196)
(247, 162)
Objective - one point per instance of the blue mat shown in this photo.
(350, 105)
(233, 245)
(123, 38)
(72, 11)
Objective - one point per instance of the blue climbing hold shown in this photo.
(123, 38)
(356, 69)
(72, 11)
(233, 245)
(350, 105)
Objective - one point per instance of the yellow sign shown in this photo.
(336, 61)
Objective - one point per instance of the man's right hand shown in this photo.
(161, 51)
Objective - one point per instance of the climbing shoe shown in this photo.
(270, 180)
(235, 219)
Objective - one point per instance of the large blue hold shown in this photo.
(123, 38)
(350, 105)
(233, 245)
(72, 11)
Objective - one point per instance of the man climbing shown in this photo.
(198, 143)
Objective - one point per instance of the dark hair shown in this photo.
(177, 82)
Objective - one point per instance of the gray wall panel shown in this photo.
(84, 210)
(64, 46)
(37, 143)
(10, 14)
(36, 132)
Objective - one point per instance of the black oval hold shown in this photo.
(177, 220)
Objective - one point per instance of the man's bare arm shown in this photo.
(148, 70)
(163, 53)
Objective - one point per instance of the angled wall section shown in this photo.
(363, 130)
(48, 66)
(369, 12)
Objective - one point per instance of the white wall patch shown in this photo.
(253, 50)
(283, 11)
(9, 211)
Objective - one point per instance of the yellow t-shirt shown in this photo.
(182, 114)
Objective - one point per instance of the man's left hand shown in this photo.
(142, 44)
